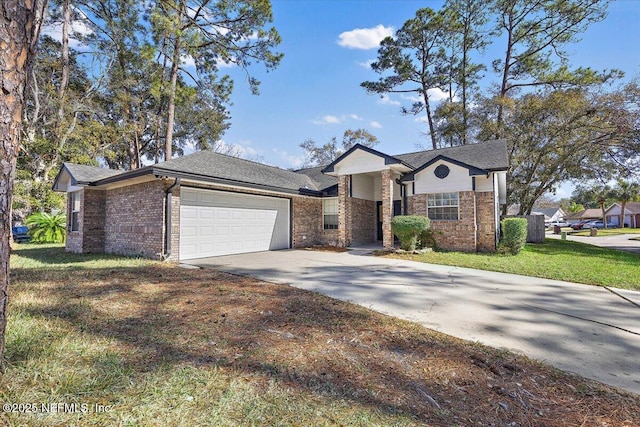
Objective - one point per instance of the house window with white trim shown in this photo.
(443, 206)
(330, 214)
(74, 200)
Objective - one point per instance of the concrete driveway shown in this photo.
(583, 329)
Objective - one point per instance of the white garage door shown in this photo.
(214, 223)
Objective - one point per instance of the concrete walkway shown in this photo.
(582, 329)
(621, 242)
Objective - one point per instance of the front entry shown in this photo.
(397, 210)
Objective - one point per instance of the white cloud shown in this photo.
(327, 120)
(367, 64)
(386, 100)
(79, 27)
(364, 38)
(291, 160)
(437, 94)
(242, 150)
(375, 124)
(355, 117)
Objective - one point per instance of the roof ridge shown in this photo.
(449, 148)
(209, 151)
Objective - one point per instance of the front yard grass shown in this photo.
(142, 343)
(606, 232)
(553, 259)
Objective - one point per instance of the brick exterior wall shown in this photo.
(94, 220)
(91, 220)
(74, 238)
(361, 220)
(476, 209)
(307, 222)
(129, 220)
(134, 220)
(486, 221)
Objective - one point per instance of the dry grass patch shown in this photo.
(161, 345)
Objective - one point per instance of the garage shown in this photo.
(215, 223)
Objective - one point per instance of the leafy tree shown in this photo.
(465, 21)
(327, 153)
(47, 228)
(414, 57)
(565, 135)
(212, 33)
(535, 35)
(20, 24)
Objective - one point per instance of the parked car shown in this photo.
(558, 223)
(579, 225)
(598, 224)
(20, 234)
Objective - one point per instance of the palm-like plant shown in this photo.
(625, 192)
(47, 228)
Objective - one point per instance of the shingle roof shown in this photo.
(84, 174)
(218, 167)
(215, 165)
(489, 155)
(323, 181)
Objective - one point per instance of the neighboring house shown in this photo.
(208, 204)
(550, 214)
(631, 214)
(585, 215)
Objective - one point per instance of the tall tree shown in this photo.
(20, 24)
(413, 57)
(536, 34)
(325, 154)
(566, 135)
(212, 33)
(465, 22)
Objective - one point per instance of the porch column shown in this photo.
(343, 192)
(387, 208)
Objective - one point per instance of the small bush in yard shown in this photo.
(427, 239)
(514, 235)
(408, 228)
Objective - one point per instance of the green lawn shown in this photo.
(97, 340)
(607, 232)
(554, 259)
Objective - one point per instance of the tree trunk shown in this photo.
(622, 208)
(168, 141)
(20, 23)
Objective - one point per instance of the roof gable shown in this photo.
(388, 160)
(489, 155)
(472, 169)
(71, 174)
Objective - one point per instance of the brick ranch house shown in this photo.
(208, 204)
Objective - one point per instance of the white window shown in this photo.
(74, 200)
(442, 206)
(330, 214)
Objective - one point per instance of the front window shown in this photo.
(330, 214)
(75, 210)
(442, 206)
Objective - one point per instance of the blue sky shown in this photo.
(315, 93)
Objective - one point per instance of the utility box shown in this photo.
(594, 232)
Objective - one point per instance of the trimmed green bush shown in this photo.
(46, 228)
(427, 239)
(514, 235)
(408, 228)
